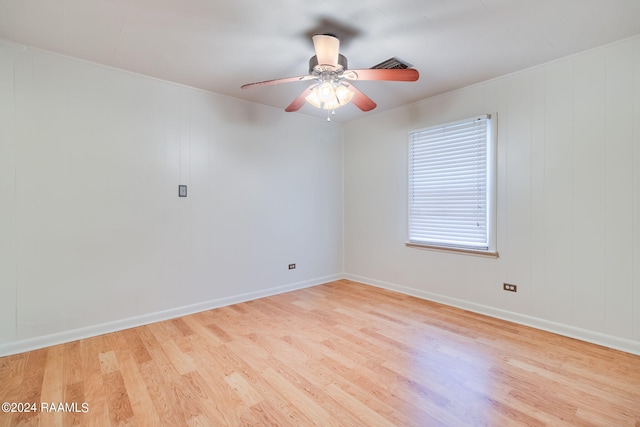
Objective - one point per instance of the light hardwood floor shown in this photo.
(342, 354)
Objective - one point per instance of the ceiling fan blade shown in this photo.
(277, 81)
(360, 100)
(300, 100)
(327, 48)
(398, 75)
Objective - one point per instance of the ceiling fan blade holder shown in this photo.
(327, 49)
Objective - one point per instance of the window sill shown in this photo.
(474, 252)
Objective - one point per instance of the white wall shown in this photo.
(92, 234)
(94, 238)
(568, 199)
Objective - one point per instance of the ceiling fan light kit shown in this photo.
(328, 70)
(329, 96)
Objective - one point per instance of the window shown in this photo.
(451, 186)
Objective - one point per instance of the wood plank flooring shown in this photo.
(339, 354)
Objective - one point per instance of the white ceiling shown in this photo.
(219, 45)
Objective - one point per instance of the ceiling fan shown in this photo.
(331, 87)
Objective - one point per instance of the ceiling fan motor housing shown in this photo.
(318, 68)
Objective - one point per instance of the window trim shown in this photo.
(454, 249)
(492, 140)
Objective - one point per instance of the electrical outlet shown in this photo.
(509, 287)
(292, 266)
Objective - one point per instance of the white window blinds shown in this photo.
(449, 186)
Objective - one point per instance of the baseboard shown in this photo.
(617, 343)
(131, 322)
(610, 341)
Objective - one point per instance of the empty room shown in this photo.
(365, 213)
